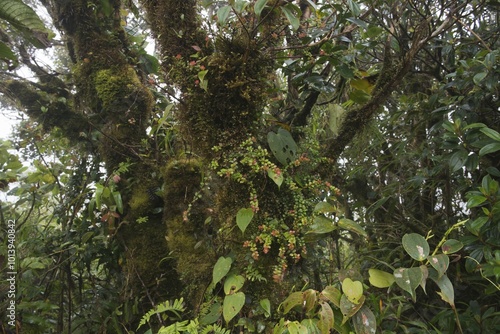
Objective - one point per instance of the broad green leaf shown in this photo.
(489, 148)
(451, 246)
(6, 52)
(416, 246)
(276, 177)
(350, 225)
(312, 326)
(86, 237)
(475, 200)
(336, 115)
(331, 294)
(292, 13)
(322, 225)
(118, 201)
(439, 262)
(106, 193)
(408, 279)
(266, 306)
(359, 96)
(221, 268)
(202, 74)
(474, 226)
(362, 85)
(23, 18)
(240, 5)
(232, 305)
(479, 77)
(326, 317)
(348, 308)
(425, 274)
(99, 188)
(233, 283)
(354, 7)
(294, 299)
(282, 145)
(324, 207)
(491, 133)
(310, 298)
(447, 293)
(380, 279)
(223, 15)
(364, 321)
(259, 6)
(457, 160)
(296, 328)
(352, 289)
(213, 315)
(243, 218)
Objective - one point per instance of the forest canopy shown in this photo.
(250, 166)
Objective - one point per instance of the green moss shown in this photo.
(115, 85)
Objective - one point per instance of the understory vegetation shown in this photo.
(250, 166)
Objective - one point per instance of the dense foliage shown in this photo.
(267, 166)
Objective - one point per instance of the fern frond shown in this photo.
(176, 307)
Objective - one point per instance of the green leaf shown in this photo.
(282, 145)
(202, 74)
(451, 246)
(350, 225)
(416, 246)
(439, 262)
(296, 328)
(6, 53)
(221, 268)
(322, 225)
(232, 305)
(326, 317)
(213, 315)
(457, 160)
(353, 290)
(294, 299)
(364, 321)
(475, 201)
(380, 279)
(354, 7)
(292, 13)
(259, 6)
(491, 133)
(336, 115)
(243, 218)
(408, 279)
(324, 207)
(359, 96)
(479, 77)
(25, 19)
(99, 188)
(447, 293)
(474, 226)
(276, 177)
(349, 308)
(489, 148)
(233, 283)
(310, 297)
(331, 294)
(311, 326)
(223, 15)
(266, 306)
(86, 237)
(118, 201)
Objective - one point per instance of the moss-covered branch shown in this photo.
(47, 109)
